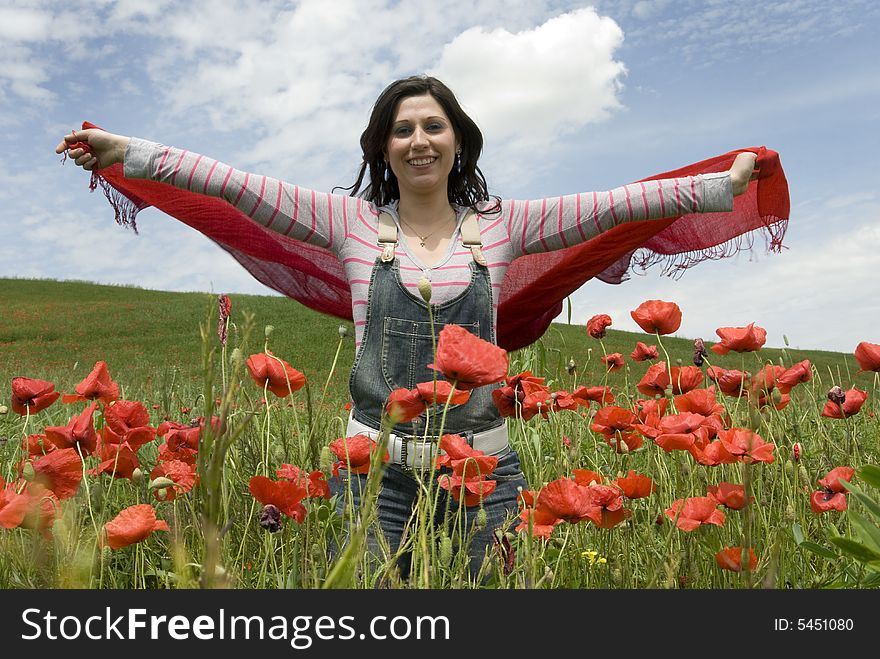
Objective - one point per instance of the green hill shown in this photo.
(57, 330)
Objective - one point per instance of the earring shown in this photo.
(387, 170)
(458, 161)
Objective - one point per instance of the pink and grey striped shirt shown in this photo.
(348, 225)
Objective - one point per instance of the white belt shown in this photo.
(416, 454)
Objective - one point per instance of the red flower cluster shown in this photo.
(470, 469)
(354, 453)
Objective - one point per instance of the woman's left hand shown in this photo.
(741, 171)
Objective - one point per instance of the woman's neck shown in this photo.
(424, 212)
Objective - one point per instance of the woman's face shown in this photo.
(421, 147)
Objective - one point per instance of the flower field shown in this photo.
(187, 440)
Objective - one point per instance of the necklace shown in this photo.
(421, 238)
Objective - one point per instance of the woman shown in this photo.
(420, 153)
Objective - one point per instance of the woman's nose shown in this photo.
(419, 137)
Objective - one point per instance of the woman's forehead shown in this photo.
(413, 108)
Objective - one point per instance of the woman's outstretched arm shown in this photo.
(543, 225)
(318, 218)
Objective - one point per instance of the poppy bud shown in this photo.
(137, 476)
(686, 469)
(571, 367)
(482, 518)
(836, 395)
(343, 331)
(268, 330)
(27, 472)
(278, 453)
(776, 396)
(162, 493)
(789, 514)
(325, 462)
(789, 469)
(445, 551)
(161, 482)
(425, 289)
(236, 358)
(803, 475)
(270, 518)
(796, 451)
(4, 409)
(699, 352)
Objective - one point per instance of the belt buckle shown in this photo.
(404, 451)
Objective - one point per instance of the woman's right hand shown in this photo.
(105, 148)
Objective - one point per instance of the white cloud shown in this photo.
(532, 87)
(24, 24)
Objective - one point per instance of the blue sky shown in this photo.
(571, 96)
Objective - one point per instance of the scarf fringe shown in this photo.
(674, 265)
(124, 209)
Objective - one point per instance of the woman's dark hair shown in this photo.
(465, 188)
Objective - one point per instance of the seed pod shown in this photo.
(445, 551)
(425, 289)
(268, 330)
(482, 518)
(137, 476)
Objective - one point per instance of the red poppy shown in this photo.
(763, 388)
(607, 509)
(657, 316)
(739, 339)
(180, 435)
(643, 352)
(650, 410)
(464, 459)
(601, 395)
(729, 495)
(677, 432)
(168, 453)
(284, 495)
(833, 480)
(467, 360)
(711, 453)
(439, 392)
(868, 356)
(277, 375)
(183, 475)
(747, 445)
(853, 402)
(404, 405)
(536, 398)
(30, 396)
(655, 380)
(613, 362)
(132, 525)
(794, 375)
(597, 324)
(315, 483)
(44, 508)
(79, 432)
(119, 460)
(541, 522)
(700, 401)
(37, 445)
(635, 486)
(731, 382)
(354, 452)
(224, 308)
(565, 500)
(474, 488)
(60, 471)
(686, 378)
(616, 425)
(13, 506)
(127, 421)
(97, 385)
(586, 477)
(823, 501)
(730, 558)
(695, 512)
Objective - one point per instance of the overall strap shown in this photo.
(470, 237)
(387, 236)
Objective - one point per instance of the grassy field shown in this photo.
(154, 349)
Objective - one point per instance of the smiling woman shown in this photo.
(418, 246)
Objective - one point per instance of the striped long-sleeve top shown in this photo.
(347, 225)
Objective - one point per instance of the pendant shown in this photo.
(422, 243)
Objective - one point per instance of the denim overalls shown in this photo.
(394, 353)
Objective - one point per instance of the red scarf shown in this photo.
(535, 285)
